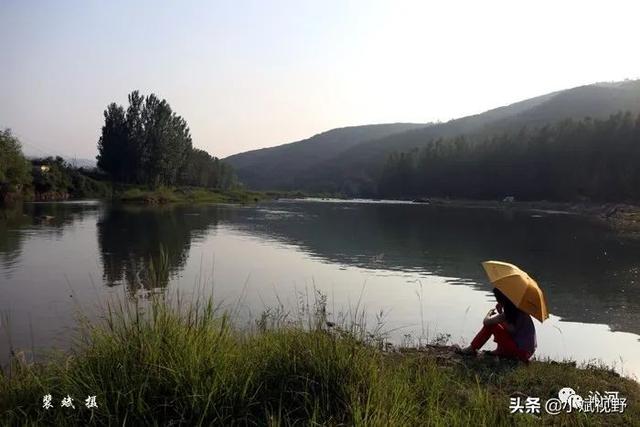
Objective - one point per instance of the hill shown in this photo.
(284, 166)
(349, 160)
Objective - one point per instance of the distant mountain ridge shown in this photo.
(285, 165)
(347, 160)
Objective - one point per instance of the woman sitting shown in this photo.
(512, 330)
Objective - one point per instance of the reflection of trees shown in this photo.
(11, 219)
(145, 247)
(49, 218)
(588, 274)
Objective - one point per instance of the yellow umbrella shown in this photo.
(521, 289)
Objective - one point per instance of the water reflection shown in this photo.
(589, 274)
(17, 223)
(145, 247)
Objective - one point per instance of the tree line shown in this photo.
(50, 177)
(55, 178)
(148, 143)
(573, 160)
(15, 170)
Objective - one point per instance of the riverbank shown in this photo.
(622, 217)
(167, 195)
(188, 364)
(162, 196)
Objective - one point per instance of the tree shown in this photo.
(113, 146)
(199, 170)
(225, 177)
(51, 175)
(14, 168)
(147, 144)
(166, 139)
(137, 153)
(203, 170)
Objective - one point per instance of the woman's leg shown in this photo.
(481, 337)
(507, 347)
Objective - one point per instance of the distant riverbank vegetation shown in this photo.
(50, 178)
(15, 176)
(149, 144)
(574, 160)
(163, 362)
(145, 154)
(162, 195)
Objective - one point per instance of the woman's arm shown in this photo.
(493, 318)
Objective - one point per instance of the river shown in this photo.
(418, 265)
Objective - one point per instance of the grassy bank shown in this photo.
(164, 195)
(177, 364)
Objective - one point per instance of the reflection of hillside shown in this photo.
(137, 242)
(49, 218)
(586, 272)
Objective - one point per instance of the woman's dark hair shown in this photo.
(510, 310)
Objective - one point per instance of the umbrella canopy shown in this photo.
(516, 285)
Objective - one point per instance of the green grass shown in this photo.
(175, 363)
(166, 195)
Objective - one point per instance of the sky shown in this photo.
(253, 74)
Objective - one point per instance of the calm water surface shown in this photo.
(419, 264)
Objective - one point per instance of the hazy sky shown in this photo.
(250, 74)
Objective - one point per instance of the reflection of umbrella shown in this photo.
(521, 289)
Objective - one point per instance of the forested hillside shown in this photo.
(585, 160)
(286, 166)
(357, 169)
